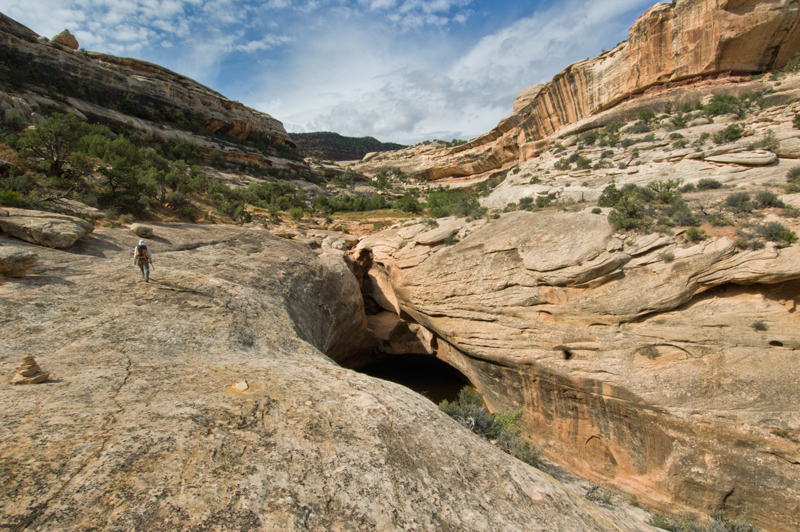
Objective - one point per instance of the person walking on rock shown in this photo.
(143, 259)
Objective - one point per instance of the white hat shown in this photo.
(142, 242)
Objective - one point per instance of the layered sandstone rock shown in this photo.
(44, 228)
(680, 43)
(205, 400)
(99, 79)
(664, 368)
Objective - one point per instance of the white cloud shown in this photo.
(265, 43)
(400, 70)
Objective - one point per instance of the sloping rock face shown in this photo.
(638, 361)
(122, 90)
(205, 400)
(677, 43)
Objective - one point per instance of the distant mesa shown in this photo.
(336, 147)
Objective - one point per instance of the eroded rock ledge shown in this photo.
(671, 45)
(205, 400)
(636, 359)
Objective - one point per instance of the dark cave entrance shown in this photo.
(425, 374)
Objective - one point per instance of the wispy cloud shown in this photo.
(400, 70)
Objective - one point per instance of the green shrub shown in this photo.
(682, 215)
(188, 214)
(722, 104)
(769, 142)
(409, 203)
(562, 164)
(793, 64)
(610, 196)
(796, 121)
(501, 427)
(628, 214)
(526, 204)
(689, 187)
(606, 154)
(590, 138)
(680, 144)
(745, 240)
(10, 198)
(543, 201)
(639, 127)
(675, 136)
(583, 163)
(695, 235)
(766, 198)
(679, 121)
(597, 210)
(297, 213)
(739, 202)
(793, 176)
(777, 232)
(731, 133)
(708, 184)
(647, 116)
(760, 326)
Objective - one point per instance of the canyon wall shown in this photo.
(116, 90)
(672, 44)
(634, 359)
(204, 400)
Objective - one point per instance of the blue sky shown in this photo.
(399, 70)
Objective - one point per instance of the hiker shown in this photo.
(143, 259)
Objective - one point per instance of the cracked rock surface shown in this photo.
(204, 400)
(665, 368)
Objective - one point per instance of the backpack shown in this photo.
(141, 252)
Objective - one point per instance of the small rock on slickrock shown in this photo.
(144, 231)
(15, 261)
(65, 38)
(29, 372)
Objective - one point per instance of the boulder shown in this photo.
(15, 261)
(65, 38)
(45, 228)
(142, 230)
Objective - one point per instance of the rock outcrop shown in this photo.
(44, 228)
(120, 90)
(667, 369)
(65, 38)
(673, 44)
(205, 400)
(15, 261)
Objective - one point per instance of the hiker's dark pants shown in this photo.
(145, 267)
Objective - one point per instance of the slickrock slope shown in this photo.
(203, 401)
(635, 358)
(671, 44)
(121, 90)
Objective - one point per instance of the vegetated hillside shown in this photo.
(336, 147)
(39, 75)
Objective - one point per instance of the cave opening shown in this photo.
(425, 374)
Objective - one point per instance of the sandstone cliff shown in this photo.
(116, 90)
(635, 358)
(204, 400)
(672, 44)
